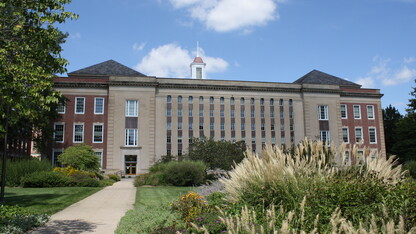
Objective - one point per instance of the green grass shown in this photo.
(47, 200)
(151, 209)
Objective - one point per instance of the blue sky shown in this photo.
(371, 42)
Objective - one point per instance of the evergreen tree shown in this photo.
(390, 118)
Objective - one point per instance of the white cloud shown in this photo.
(401, 76)
(409, 60)
(76, 35)
(138, 47)
(229, 15)
(366, 82)
(171, 60)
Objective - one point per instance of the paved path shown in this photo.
(98, 213)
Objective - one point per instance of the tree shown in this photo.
(216, 154)
(30, 47)
(81, 157)
(390, 118)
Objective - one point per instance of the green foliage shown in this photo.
(189, 206)
(154, 179)
(81, 157)
(106, 182)
(15, 219)
(15, 170)
(114, 177)
(30, 48)
(390, 118)
(216, 154)
(405, 146)
(44, 179)
(410, 166)
(185, 173)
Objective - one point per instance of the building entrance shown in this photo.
(130, 164)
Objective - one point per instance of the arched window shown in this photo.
(169, 99)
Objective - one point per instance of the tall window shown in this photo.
(370, 112)
(345, 135)
(211, 100)
(322, 112)
(99, 155)
(78, 133)
(221, 100)
(252, 101)
(61, 108)
(325, 136)
(271, 102)
(211, 126)
(201, 100)
(232, 113)
(191, 112)
(168, 112)
(242, 101)
(199, 73)
(169, 99)
(190, 99)
(131, 108)
(232, 101)
(79, 105)
(343, 111)
(191, 125)
(211, 113)
(262, 101)
(59, 130)
(290, 102)
(357, 112)
(281, 102)
(131, 137)
(98, 134)
(222, 113)
(358, 134)
(179, 125)
(98, 106)
(372, 135)
(179, 112)
(179, 99)
(243, 126)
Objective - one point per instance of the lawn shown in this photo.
(150, 210)
(47, 200)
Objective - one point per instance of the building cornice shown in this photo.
(360, 95)
(79, 85)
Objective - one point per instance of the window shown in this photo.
(99, 155)
(263, 127)
(191, 126)
(271, 102)
(243, 126)
(282, 127)
(199, 73)
(191, 113)
(98, 133)
(98, 106)
(372, 135)
(221, 100)
(343, 111)
(190, 99)
(290, 102)
(345, 135)
(262, 114)
(253, 127)
(211, 126)
(169, 126)
(211, 100)
(222, 127)
(179, 99)
(252, 101)
(131, 137)
(291, 114)
(61, 108)
(201, 126)
(272, 127)
(59, 130)
(79, 105)
(232, 126)
(282, 114)
(179, 125)
(211, 113)
(242, 101)
(346, 157)
(370, 112)
(179, 140)
(262, 101)
(168, 112)
(169, 99)
(201, 113)
(271, 114)
(242, 114)
(322, 112)
(222, 113)
(180, 113)
(357, 112)
(232, 101)
(131, 108)
(78, 133)
(201, 99)
(55, 155)
(358, 135)
(325, 137)
(252, 114)
(232, 113)
(281, 102)
(291, 127)
(169, 139)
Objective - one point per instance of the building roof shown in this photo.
(318, 77)
(198, 60)
(107, 68)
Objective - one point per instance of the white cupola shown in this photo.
(198, 67)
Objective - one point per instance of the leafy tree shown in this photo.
(81, 157)
(30, 47)
(216, 154)
(390, 118)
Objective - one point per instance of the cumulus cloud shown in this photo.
(401, 76)
(409, 60)
(171, 60)
(230, 15)
(366, 82)
(138, 47)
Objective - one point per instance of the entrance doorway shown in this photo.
(130, 162)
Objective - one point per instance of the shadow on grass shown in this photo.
(30, 199)
(65, 226)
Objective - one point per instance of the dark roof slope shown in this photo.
(107, 68)
(318, 77)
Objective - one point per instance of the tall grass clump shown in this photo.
(314, 185)
(17, 169)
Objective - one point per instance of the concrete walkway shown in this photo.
(98, 213)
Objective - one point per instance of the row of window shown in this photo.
(232, 113)
(80, 106)
(323, 112)
(232, 126)
(232, 100)
(78, 133)
(372, 135)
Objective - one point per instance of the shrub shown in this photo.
(15, 219)
(114, 177)
(46, 179)
(15, 170)
(189, 206)
(185, 173)
(68, 171)
(410, 166)
(106, 182)
(154, 179)
(88, 182)
(81, 157)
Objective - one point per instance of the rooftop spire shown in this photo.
(197, 48)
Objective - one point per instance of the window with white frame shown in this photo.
(168, 126)
(345, 135)
(99, 155)
(372, 135)
(132, 108)
(222, 127)
(98, 106)
(325, 136)
(374, 154)
(169, 99)
(179, 112)
(98, 134)
(61, 108)
(346, 158)
(370, 112)
(358, 135)
(59, 132)
(343, 111)
(55, 155)
(179, 125)
(79, 105)
(322, 112)
(78, 133)
(191, 113)
(168, 112)
(190, 125)
(357, 111)
(131, 137)
(211, 100)
(190, 99)
(243, 126)
(179, 99)
(211, 126)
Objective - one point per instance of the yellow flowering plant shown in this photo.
(189, 206)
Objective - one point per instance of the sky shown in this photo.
(369, 42)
